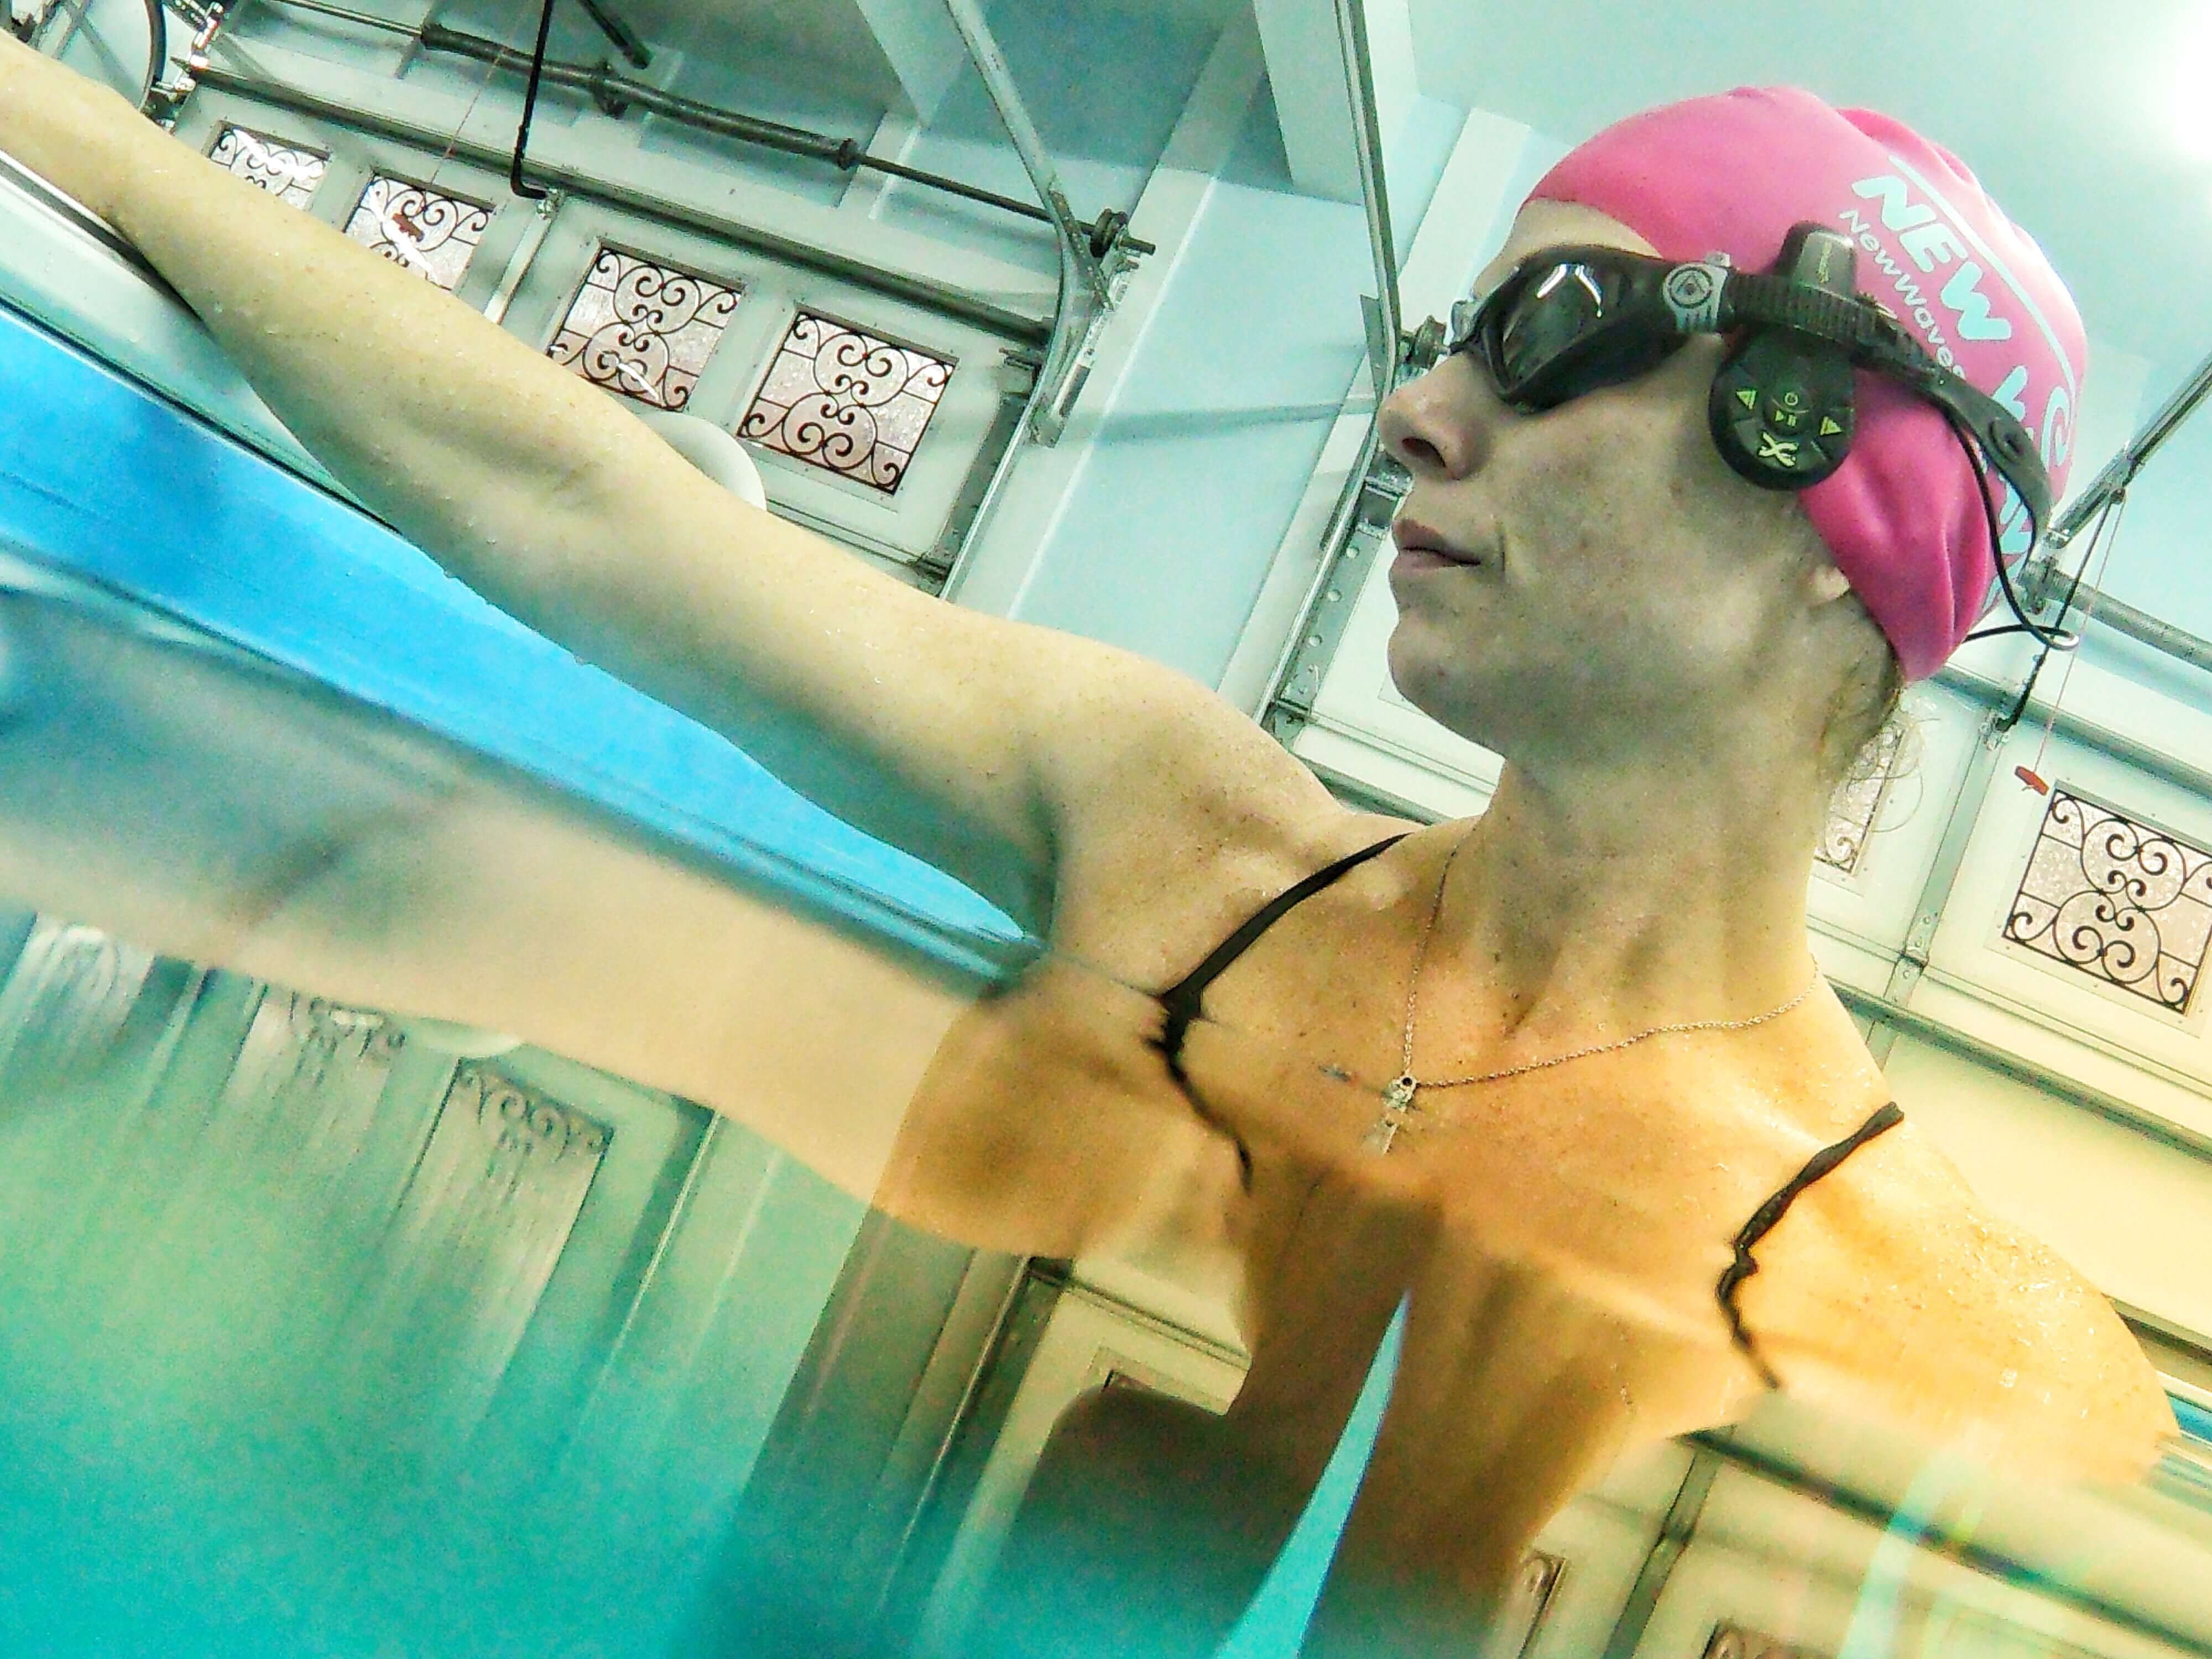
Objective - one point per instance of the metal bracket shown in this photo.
(165, 102)
(1920, 936)
(524, 252)
(1359, 536)
(1062, 382)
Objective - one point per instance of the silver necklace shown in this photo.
(1398, 1103)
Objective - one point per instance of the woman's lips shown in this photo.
(1420, 548)
(1421, 558)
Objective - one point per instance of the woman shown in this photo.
(1676, 666)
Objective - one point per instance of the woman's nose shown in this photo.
(1435, 425)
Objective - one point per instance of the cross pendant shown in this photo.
(1397, 1107)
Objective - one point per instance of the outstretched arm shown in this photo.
(959, 737)
(1025, 762)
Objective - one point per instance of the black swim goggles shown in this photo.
(1570, 321)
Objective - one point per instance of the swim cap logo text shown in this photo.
(1930, 242)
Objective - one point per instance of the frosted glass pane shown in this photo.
(847, 402)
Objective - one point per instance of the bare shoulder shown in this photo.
(1173, 812)
(1145, 744)
(1891, 1286)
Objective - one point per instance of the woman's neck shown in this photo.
(1590, 906)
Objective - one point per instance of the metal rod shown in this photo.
(1013, 114)
(956, 302)
(2102, 739)
(2121, 469)
(1367, 140)
(2176, 642)
(613, 91)
(362, 18)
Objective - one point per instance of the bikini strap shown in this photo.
(1183, 999)
(1764, 1218)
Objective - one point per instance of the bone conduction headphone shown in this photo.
(1569, 320)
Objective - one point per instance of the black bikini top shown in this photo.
(1183, 1001)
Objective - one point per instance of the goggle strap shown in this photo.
(1753, 299)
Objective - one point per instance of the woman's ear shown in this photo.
(1824, 582)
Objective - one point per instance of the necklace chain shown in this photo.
(1398, 1098)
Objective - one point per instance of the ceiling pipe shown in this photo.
(615, 92)
(2139, 625)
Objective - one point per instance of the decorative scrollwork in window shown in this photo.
(2119, 900)
(1857, 800)
(351, 1034)
(524, 1133)
(643, 330)
(290, 172)
(847, 402)
(434, 235)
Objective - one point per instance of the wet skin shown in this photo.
(1560, 1240)
(1561, 1235)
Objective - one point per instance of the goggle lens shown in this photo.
(1550, 316)
(1560, 326)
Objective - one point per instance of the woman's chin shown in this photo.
(1422, 662)
(1433, 689)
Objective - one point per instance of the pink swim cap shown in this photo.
(1902, 517)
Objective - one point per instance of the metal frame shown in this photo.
(1375, 482)
(1093, 266)
(1386, 347)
